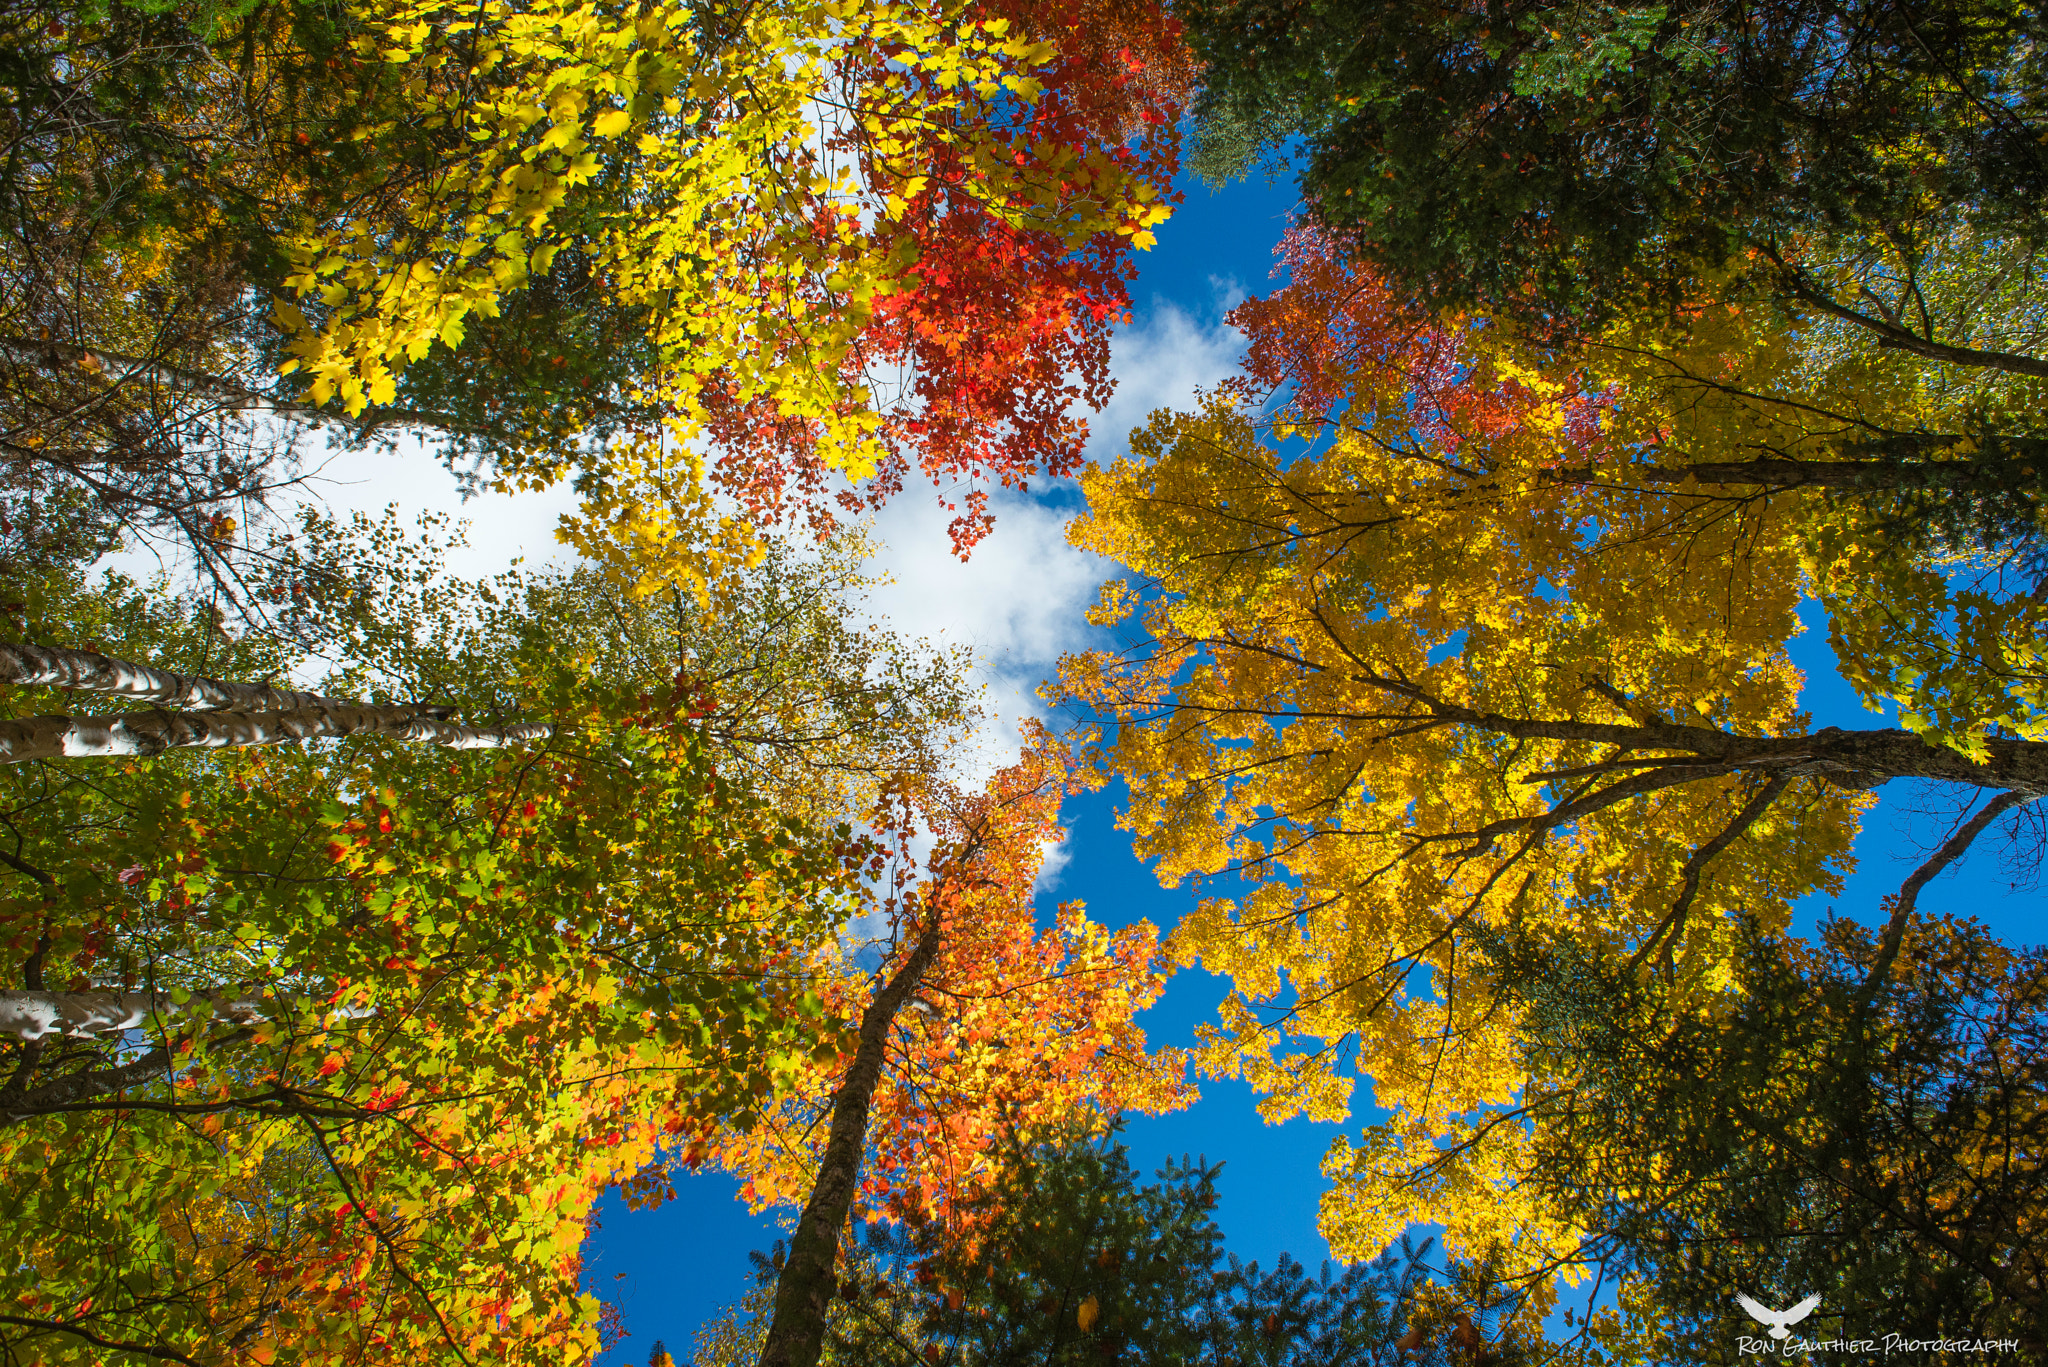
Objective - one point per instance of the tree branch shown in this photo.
(1909, 894)
(1674, 920)
(156, 1351)
(1891, 336)
(383, 1240)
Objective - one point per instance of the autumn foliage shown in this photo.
(1453, 666)
(811, 208)
(490, 1000)
(1015, 1026)
(1442, 643)
(998, 323)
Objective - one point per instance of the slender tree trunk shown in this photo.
(803, 1293)
(1891, 336)
(152, 733)
(37, 1015)
(254, 714)
(84, 671)
(1825, 474)
(1909, 895)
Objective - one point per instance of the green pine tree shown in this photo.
(1067, 1261)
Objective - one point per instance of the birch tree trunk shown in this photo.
(36, 1015)
(805, 1289)
(152, 733)
(84, 671)
(250, 714)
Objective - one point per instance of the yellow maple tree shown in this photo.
(1454, 637)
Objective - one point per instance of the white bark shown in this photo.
(152, 733)
(30, 1016)
(83, 671)
(248, 714)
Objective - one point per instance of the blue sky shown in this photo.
(683, 1261)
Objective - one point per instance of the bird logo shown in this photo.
(1779, 1320)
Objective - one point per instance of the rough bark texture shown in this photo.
(1784, 473)
(804, 1291)
(83, 671)
(152, 733)
(1822, 474)
(1857, 759)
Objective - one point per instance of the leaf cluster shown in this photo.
(1558, 161)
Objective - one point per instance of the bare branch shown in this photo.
(1909, 894)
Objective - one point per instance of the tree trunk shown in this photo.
(1854, 759)
(1824, 474)
(803, 1293)
(152, 733)
(1868, 476)
(83, 671)
(32, 1015)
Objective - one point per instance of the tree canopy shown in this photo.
(1445, 641)
(576, 241)
(1560, 162)
(1066, 1259)
(402, 1020)
(362, 927)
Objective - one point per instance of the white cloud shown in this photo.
(1018, 601)
(1227, 293)
(1161, 362)
(1056, 853)
(502, 527)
